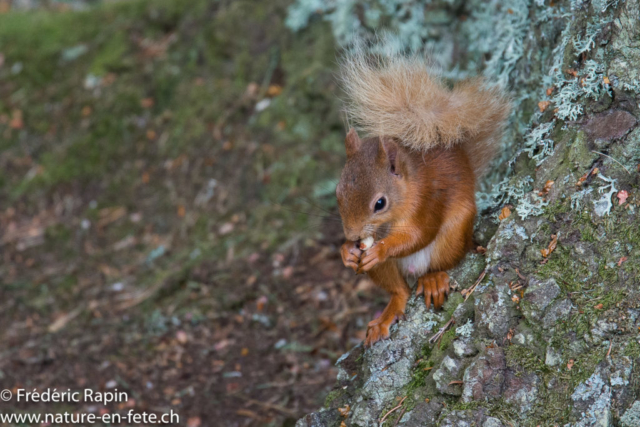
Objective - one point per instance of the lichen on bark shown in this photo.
(554, 339)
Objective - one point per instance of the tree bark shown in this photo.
(550, 335)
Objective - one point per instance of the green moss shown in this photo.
(519, 357)
(632, 349)
(579, 155)
(553, 211)
(447, 339)
(111, 55)
(460, 405)
(332, 396)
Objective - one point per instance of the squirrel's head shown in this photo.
(372, 188)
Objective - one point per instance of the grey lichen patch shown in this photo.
(484, 379)
(594, 399)
(626, 47)
(631, 417)
(448, 376)
(495, 312)
(387, 368)
(538, 296)
(628, 151)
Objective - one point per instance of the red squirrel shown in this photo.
(410, 184)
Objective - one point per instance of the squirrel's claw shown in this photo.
(435, 287)
(350, 255)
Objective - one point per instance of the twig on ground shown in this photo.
(400, 416)
(467, 292)
(392, 410)
(606, 155)
(441, 332)
(610, 344)
(268, 405)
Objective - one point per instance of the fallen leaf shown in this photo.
(623, 259)
(181, 211)
(62, 321)
(262, 301)
(244, 351)
(147, 102)
(582, 179)
(542, 105)
(606, 80)
(226, 228)
(252, 89)
(16, 120)
(287, 272)
(595, 171)
(552, 246)
(182, 337)
(570, 364)
(231, 387)
(109, 215)
(547, 187)
(274, 90)
(510, 334)
(504, 213)
(550, 90)
(481, 250)
(622, 197)
(344, 411)
(599, 306)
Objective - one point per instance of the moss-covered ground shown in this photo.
(165, 168)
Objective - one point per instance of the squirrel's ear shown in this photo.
(352, 142)
(389, 149)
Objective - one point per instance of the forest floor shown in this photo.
(155, 230)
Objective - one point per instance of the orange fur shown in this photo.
(402, 97)
(426, 147)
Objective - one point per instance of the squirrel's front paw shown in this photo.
(373, 256)
(434, 286)
(376, 333)
(350, 255)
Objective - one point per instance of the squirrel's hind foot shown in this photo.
(435, 287)
(378, 329)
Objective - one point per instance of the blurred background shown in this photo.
(167, 218)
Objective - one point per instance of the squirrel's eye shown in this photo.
(380, 204)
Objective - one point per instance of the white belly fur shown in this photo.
(417, 263)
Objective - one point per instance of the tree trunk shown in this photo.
(550, 335)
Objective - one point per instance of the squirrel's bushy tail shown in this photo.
(402, 97)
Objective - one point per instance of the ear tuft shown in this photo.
(390, 148)
(352, 142)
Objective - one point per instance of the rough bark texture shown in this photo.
(543, 340)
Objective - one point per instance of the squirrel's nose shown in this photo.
(351, 234)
